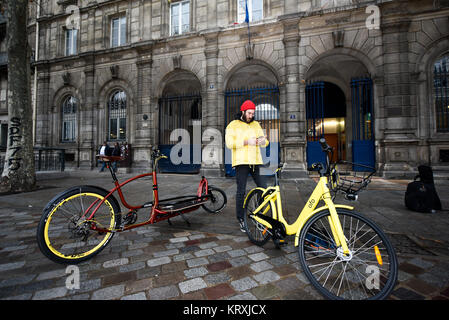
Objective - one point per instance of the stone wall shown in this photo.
(297, 41)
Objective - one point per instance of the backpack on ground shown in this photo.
(421, 195)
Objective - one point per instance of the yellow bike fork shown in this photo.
(336, 228)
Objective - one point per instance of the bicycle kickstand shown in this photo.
(185, 219)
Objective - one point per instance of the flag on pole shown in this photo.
(246, 12)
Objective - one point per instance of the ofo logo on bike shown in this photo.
(212, 152)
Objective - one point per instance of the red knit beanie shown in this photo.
(247, 105)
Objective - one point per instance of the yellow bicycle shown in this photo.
(343, 254)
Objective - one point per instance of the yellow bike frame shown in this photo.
(321, 192)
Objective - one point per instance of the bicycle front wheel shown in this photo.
(368, 272)
(66, 232)
(257, 233)
(217, 200)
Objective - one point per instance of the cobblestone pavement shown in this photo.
(211, 259)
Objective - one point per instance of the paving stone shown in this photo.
(182, 234)
(289, 284)
(115, 263)
(265, 292)
(424, 264)
(197, 236)
(261, 266)
(223, 248)
(158, 261)
(253, 249)
(266, 277)
(11, 266)
(216, 278)
(410, 268)
(279, 261)
(208, 245)
(132, 267)
(180, 239)
(59, 273)
(197, 262)
(217, 257)
(236, 253)
(219, 291)
(258, 256)
(182, 256)
(203, 253)
(239, 261)
(52, 293)
(166, 253)
(406, 294)
(244, 284)
(420, 286)
(109, 293)
(219, 266)
(163, 293)
(192, 285)
(196, 272)
(135, 296)
(243, 296)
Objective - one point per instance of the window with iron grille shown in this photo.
(117, 116)
(69, 107)
(179, 17)
(441, 93)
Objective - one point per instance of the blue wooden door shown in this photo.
(363, 149)
(315, 122)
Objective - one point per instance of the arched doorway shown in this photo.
(340, 108)
(180, 110)
(257, 82)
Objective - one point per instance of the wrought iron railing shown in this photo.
(45, 159)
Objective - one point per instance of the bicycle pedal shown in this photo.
(280, 242)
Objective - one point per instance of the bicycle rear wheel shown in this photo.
(257, 233)
(369, 272)
(66, 235)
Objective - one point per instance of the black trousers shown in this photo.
(241, 176)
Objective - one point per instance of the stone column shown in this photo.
(293, 138)
(212, 148)
(43, 108)
(399, 137)
(86, 132)
(145, 114)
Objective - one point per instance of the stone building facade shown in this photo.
(109, 80)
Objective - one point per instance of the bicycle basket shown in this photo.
(350, 178)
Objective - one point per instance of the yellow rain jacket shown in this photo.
(236, 133)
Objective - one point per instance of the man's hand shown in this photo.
(250, 142)
(261, 141)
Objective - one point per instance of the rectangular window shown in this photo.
(179, 18)
(118, 31)
(68, 130)
(113, 129)
(255, 10)
(441, 93)
(71, 42)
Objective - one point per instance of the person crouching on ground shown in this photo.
(244, 136)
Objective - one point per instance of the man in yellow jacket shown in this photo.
(244, 136)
